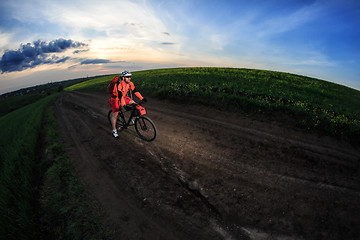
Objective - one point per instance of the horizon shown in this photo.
(51, 41)
(104, 75)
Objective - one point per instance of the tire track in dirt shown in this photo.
(251, 133)
(215, 218)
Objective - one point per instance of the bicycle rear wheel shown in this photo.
(119, 122)
(145, 128)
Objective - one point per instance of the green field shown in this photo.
(314, 104)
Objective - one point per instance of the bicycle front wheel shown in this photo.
(119, 122)
(145, 128)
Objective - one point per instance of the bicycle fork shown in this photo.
(142, 124)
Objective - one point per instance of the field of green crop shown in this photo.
(314, 104)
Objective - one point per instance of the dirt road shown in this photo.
(212, 175)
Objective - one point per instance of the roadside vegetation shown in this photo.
(10, 104)
(312, 104)
(40, 196)
(19, 134)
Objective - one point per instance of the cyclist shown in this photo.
(120, 95)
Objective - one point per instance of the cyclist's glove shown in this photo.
(144, 100)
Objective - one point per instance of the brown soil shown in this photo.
(212, 175)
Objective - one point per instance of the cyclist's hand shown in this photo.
(144, 100)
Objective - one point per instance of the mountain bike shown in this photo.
(144, 126)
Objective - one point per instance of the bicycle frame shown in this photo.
(122, 116)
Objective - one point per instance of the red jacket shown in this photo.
(123, 87)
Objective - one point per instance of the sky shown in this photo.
(45, 41)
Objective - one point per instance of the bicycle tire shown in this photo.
(145, 128)
(119, 122)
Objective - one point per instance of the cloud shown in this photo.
(106, 63)
(4, 39)
(95, 61)
(278, 24)
(37, 53)
(80, 51)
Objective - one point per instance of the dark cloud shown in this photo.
(80, 51)
(37, 53)
(95, 61)
(167, 43)
(64, 59)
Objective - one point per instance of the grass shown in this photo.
(40, 195)
(314, 104)
(19, 133)
(95, 84)
(12, 103)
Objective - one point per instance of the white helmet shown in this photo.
(126, 74)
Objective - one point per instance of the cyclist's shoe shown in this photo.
(115, 134)
(132, 122)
